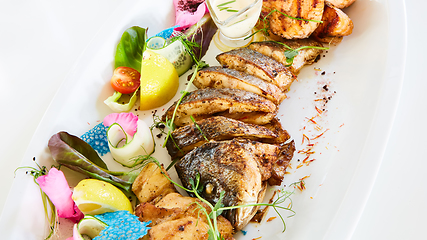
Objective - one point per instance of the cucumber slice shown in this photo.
(90, 226)
(174, 52)
(156, 43)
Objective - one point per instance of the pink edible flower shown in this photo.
(56, 188)
(128, 121)
(188, 12)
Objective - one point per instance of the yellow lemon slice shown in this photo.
(159, 81)
(96, 197)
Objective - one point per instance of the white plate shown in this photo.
(365, 70)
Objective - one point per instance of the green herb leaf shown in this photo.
(130, 48)
(290, 54)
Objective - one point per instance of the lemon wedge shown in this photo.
(90, 226)
(159, 81)
(96, 197)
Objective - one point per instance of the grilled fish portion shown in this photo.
(287, 27)
(259, 65)
(237, 167)
(276, 127)
(276, 51)
(219, 77)
(151, 185)
(336, 24)
(217, 128)
(204, 103)
(279, 167)
(340, 3)
(172, 216)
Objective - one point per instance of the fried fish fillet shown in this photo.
(259, 65)
(237, 167)
(217, 128)
(204, 103)
(278, 12)
(276, 51)
(179, 217)
(219, 77)
(336, 24)
(172, 215)
(150, 185)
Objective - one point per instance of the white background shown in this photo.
(40, 40)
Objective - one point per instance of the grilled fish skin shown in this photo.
(219, 77)
(276, 127)
(279, 167)
(276, 51)
(259, 65)
(204, 103)
(235, 167)
(289, 28)
(336, 24)
(340, 3)
(217, 128)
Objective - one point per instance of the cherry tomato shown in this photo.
(125, 80)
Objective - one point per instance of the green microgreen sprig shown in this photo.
(291, 53)
(198, 128)
(51, 218)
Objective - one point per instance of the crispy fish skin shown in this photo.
(287, 27)
(217, 128)
(219, 77)
(276, 127)
(259, 65)
(279, 167)
(336, 24)
(276, 51)
(204, 103)
(233, 167)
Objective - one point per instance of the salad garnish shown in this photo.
(75, 154)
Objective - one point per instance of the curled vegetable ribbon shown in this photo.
(128, 137)
(128, 121)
